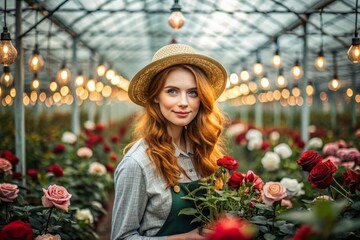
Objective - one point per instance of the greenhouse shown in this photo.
(179, 119)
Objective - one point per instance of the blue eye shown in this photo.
(193, 93)
(172, 91)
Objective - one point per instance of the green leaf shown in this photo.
(259, 220)
(346, 225)
(269, 236)
(188, 211)
(287, 228)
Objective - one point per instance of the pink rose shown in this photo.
(48, 237)
(56, 196)
(330, 149)
(273, 192)
(8, 192)
(5, 166)
(335, 160)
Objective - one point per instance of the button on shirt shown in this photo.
(142, 202)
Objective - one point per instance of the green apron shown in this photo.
(175, 223)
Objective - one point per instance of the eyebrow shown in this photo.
(171, 86)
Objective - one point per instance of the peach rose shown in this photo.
(273, 192)
(48, 237)
(84, 152)
(5, 166)
(56, 196)
(8, 192)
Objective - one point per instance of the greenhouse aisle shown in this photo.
(104, 227)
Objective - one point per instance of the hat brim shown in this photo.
(139, 85)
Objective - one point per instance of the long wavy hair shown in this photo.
(203, 132)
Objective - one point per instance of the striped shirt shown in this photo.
(142, 202)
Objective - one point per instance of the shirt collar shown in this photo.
(189, 149)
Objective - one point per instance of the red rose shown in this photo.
(32, 173)
(232, 228)
(115, 138)
(10, 157)
(308, 160)
(107, 148)
(56, 170)
(256, 181)
(351, 178)
(228, 162)
(110, 168)
(304, 233)
(236, 180)
(321, 176)
(59, 148)
(17, 230)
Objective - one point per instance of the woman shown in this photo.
(178, 140)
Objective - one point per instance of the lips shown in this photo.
(182, 114)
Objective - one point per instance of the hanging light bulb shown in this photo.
(7, 78)
(320, 61)
(35, 82)
(295, 90)
(176, 19)
(276, 59)
(264, 82)
(310, 89)
(234, 78)
(36, 62)
(91, 84)
(281, 81)
(334, 83)
(63, 75)
(101, 70)
(53, 86)
(244, 75)
(258, 67)
(8, 52)
(80, 79)
(110, 73)
(354, 51)
(296, 70)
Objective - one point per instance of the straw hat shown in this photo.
(175, 54)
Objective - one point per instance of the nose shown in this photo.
(183, 101)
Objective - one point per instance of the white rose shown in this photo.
(69, 137)
(254, 143)
(97, 168)
(315, 143)
(271, 161)
(84, 215)
(283, 150)
(253, 133)
(293, 187)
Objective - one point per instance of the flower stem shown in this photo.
(47, 223)
(342, 194)
(7, 212)
(346, 192)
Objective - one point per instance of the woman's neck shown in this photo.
(178, 137)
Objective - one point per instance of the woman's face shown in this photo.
(178, 99)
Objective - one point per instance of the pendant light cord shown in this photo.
(356, 11)
(5, 15)
(322, 31)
